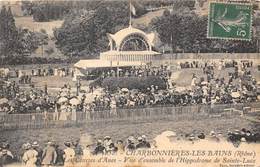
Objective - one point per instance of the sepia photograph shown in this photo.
(129, 83)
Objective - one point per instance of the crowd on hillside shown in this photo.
(33, 154)
(221, 63)
(239, 87)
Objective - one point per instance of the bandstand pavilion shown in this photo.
(128, 47)
(131, 44)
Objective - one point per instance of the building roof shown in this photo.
(119, 36)
(97, 63)
(127, 53)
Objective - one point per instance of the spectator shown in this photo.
(49, 155)
(30, 156)
(60, 153)
(130, 143)
(69, 155)
(39, 151)
(77, 148)
(120, 147)
(100, 149)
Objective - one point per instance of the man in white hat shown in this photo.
(140, 144)
(146, 143)
(107, 142)
(130, 143)
(36, 147)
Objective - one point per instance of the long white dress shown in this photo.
(73, 114)
(30, 158)
(63, 114)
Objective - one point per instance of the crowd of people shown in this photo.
(33, 155)
(239, 87)
(21, 74)
(162, 71)
(222, 63)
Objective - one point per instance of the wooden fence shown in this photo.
(48, 120)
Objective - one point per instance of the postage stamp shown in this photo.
(230, 21)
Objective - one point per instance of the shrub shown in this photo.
(141, 83)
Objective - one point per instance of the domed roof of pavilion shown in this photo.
(121, 35)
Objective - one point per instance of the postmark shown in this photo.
(230, 21)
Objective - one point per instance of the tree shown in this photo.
(188, 32)
(8, 33)
(14, 41)
(83, 32)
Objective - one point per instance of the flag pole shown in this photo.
(130, 15)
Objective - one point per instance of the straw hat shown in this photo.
(212, 133)
(131, 138)
(27, 146)
(4, 151)
(139, 138)
(243, 139)
(107, 137)
(99, 141)
(35, 144)
(169, 134)
(143, 136)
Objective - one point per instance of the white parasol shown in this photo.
(235, 94)
(204, 83)
(124, 89)
(180, 89)
(62, 100)
(89, 99)
(3, 100)
(74, 101)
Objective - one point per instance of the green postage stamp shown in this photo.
(230, 21)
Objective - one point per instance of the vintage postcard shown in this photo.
(129, 83)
